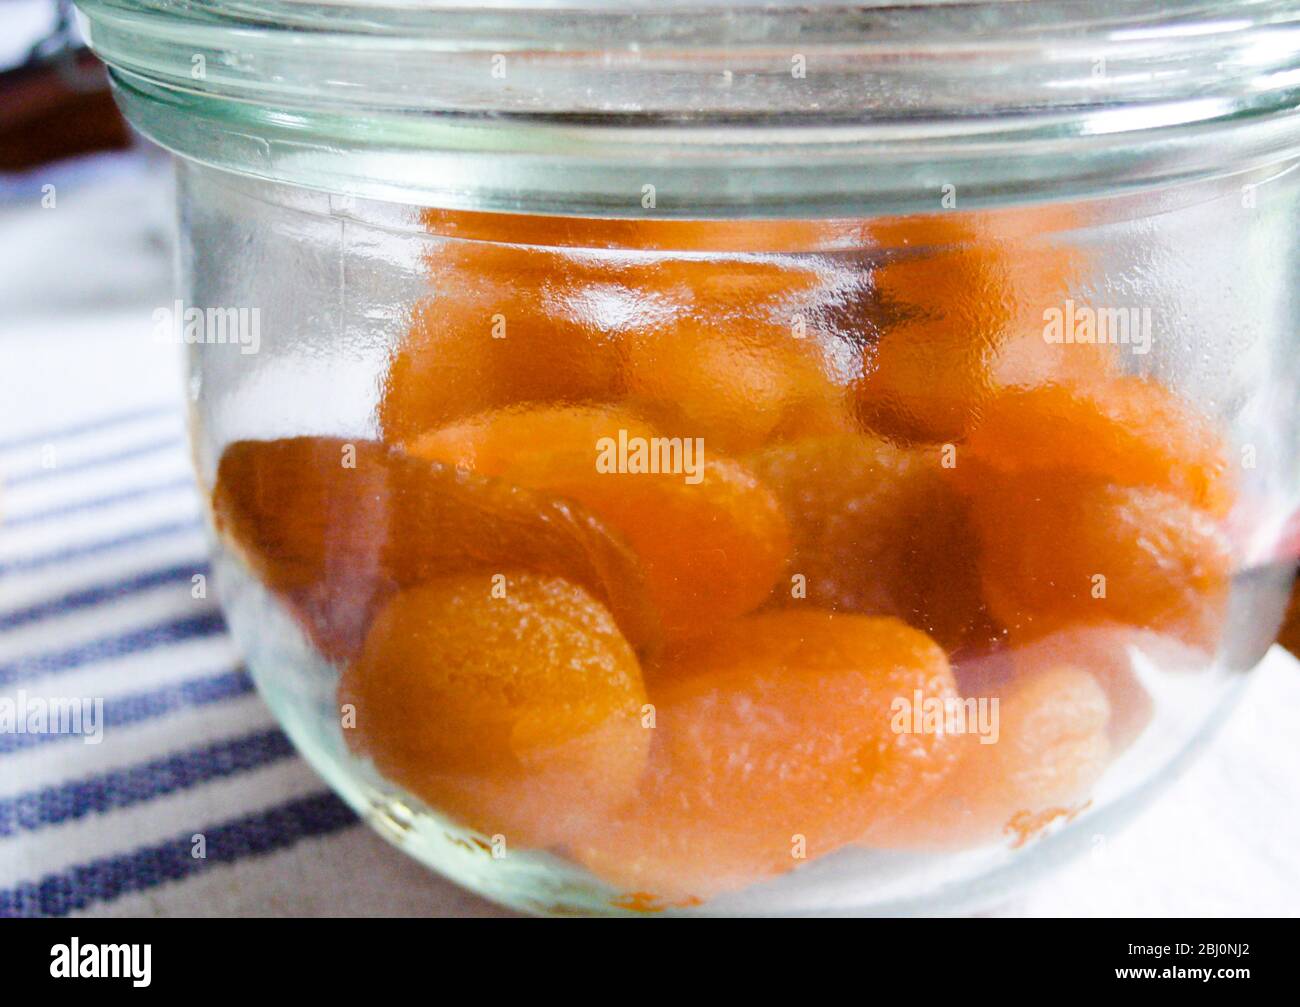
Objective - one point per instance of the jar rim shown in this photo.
(753, 107)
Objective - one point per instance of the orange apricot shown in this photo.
(959, 291)
(735, 386)
(334, 524)
(774, 741)
(877, 529)
(1027, 360)
(926, 375)
(741, 360)
(711, 538)
(1128, 430)
(507, 325)
(1059, 549)
(1113, 654)
(513, 705)
(529, 444)
(1050, 746)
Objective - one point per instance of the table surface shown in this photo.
(97, 556)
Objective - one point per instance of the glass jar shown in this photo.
(737, 460)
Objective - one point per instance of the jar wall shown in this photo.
(903, 473)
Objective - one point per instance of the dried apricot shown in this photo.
(959, 291)
(1128, 430)
(334, 523)
(1049, 748)
(1027, 360)
(735, 386)
(711, 537)
(1059, 549)
(774, 741)
(1114, 655)
(741, 359)
(925, 377)
(513, 704)
(877, 529)
(507, 325)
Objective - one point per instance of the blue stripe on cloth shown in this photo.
(89, 426)
(138, 784)
(101, 593)
(99, 461)
(147, 867)
(190, 627)
(139, 707)
(87, 549)
(98, 503)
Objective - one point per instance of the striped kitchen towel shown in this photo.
(128, 726)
